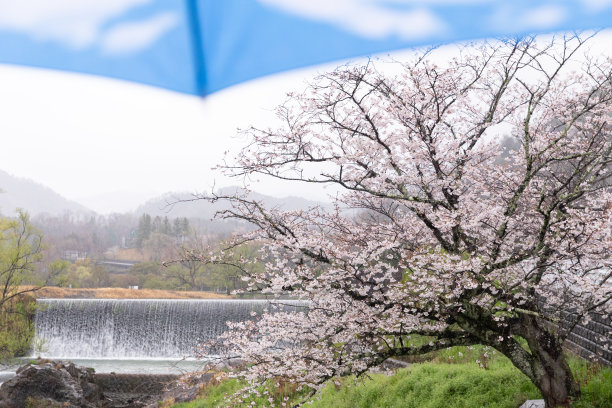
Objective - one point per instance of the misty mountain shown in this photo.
(33, 197)
(178, 205)
(120, 202)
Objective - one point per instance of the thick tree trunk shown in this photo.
(550, 371)
(543, 361)
(555, 380)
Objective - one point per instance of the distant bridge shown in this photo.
(116, 264)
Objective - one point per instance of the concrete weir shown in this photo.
(135, 328)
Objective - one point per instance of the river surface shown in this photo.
(119, 366)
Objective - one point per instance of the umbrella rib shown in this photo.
(197, 46)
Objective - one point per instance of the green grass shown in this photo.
(214, 395)
(420, 386)
(452, 379)
(595, 384)
(222, 394)
(430, 385)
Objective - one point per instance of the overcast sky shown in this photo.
(111, 144)
(86, 136)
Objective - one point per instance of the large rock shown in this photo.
(62, 384)
(50, 383)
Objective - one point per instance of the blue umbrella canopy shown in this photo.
(201, 46)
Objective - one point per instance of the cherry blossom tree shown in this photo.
(475, 207)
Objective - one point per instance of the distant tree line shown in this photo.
(147, 240)
(178, 228)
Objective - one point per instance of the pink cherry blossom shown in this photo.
(477, 207)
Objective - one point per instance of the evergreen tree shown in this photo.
(177, 229)
(144, 229)
(157, 224)
(166, 227)
(185, 226)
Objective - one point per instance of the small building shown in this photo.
(73, 255)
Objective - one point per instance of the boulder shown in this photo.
(50, 383)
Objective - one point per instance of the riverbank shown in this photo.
(441, 383)
(121, 293)
(47, 383)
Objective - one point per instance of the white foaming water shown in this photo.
(134, 328)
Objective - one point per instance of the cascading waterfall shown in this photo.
(135, 328)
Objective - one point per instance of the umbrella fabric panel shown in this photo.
(145, 41)
(201, 46)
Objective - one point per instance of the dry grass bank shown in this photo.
(121, 293)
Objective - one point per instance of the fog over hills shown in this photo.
(16, 192)
(120, 201)
(175, 205)
(37, 199)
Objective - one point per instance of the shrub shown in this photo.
(17, 327)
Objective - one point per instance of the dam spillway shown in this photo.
(134, 328)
